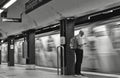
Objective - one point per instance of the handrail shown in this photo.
(59, 59)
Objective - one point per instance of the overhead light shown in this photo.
(9, 3)
(89, 17)
(2, 41)
(11, 19)
(4, 19)
(1, 10)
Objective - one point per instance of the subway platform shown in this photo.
(20, 71)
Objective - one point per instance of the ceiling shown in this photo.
(2, 2)
(48, 13)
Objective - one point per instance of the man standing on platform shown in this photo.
(76, 43)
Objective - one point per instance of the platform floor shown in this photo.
(20, 71)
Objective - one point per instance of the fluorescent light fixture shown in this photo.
(2, 41)
(6, 19)
(9, 3)
(1, 10)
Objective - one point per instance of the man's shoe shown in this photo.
(77, 75)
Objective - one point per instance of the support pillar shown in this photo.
(10, 55)
(67, 31)
(30, 37)
(0, 54)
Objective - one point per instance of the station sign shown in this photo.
(62, 40)
(11, 20)
(11, 46)
(33, 4)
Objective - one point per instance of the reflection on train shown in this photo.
(102, 53)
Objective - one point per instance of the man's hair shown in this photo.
(81, 32)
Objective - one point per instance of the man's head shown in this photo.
(81, 33)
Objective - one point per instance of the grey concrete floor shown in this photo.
(21, 72)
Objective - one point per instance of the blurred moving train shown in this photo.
(102, 53)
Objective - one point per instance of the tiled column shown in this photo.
(30, 37)
(10, 55)
(0, 54)
(67, 31)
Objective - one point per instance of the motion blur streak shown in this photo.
(101, 54)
